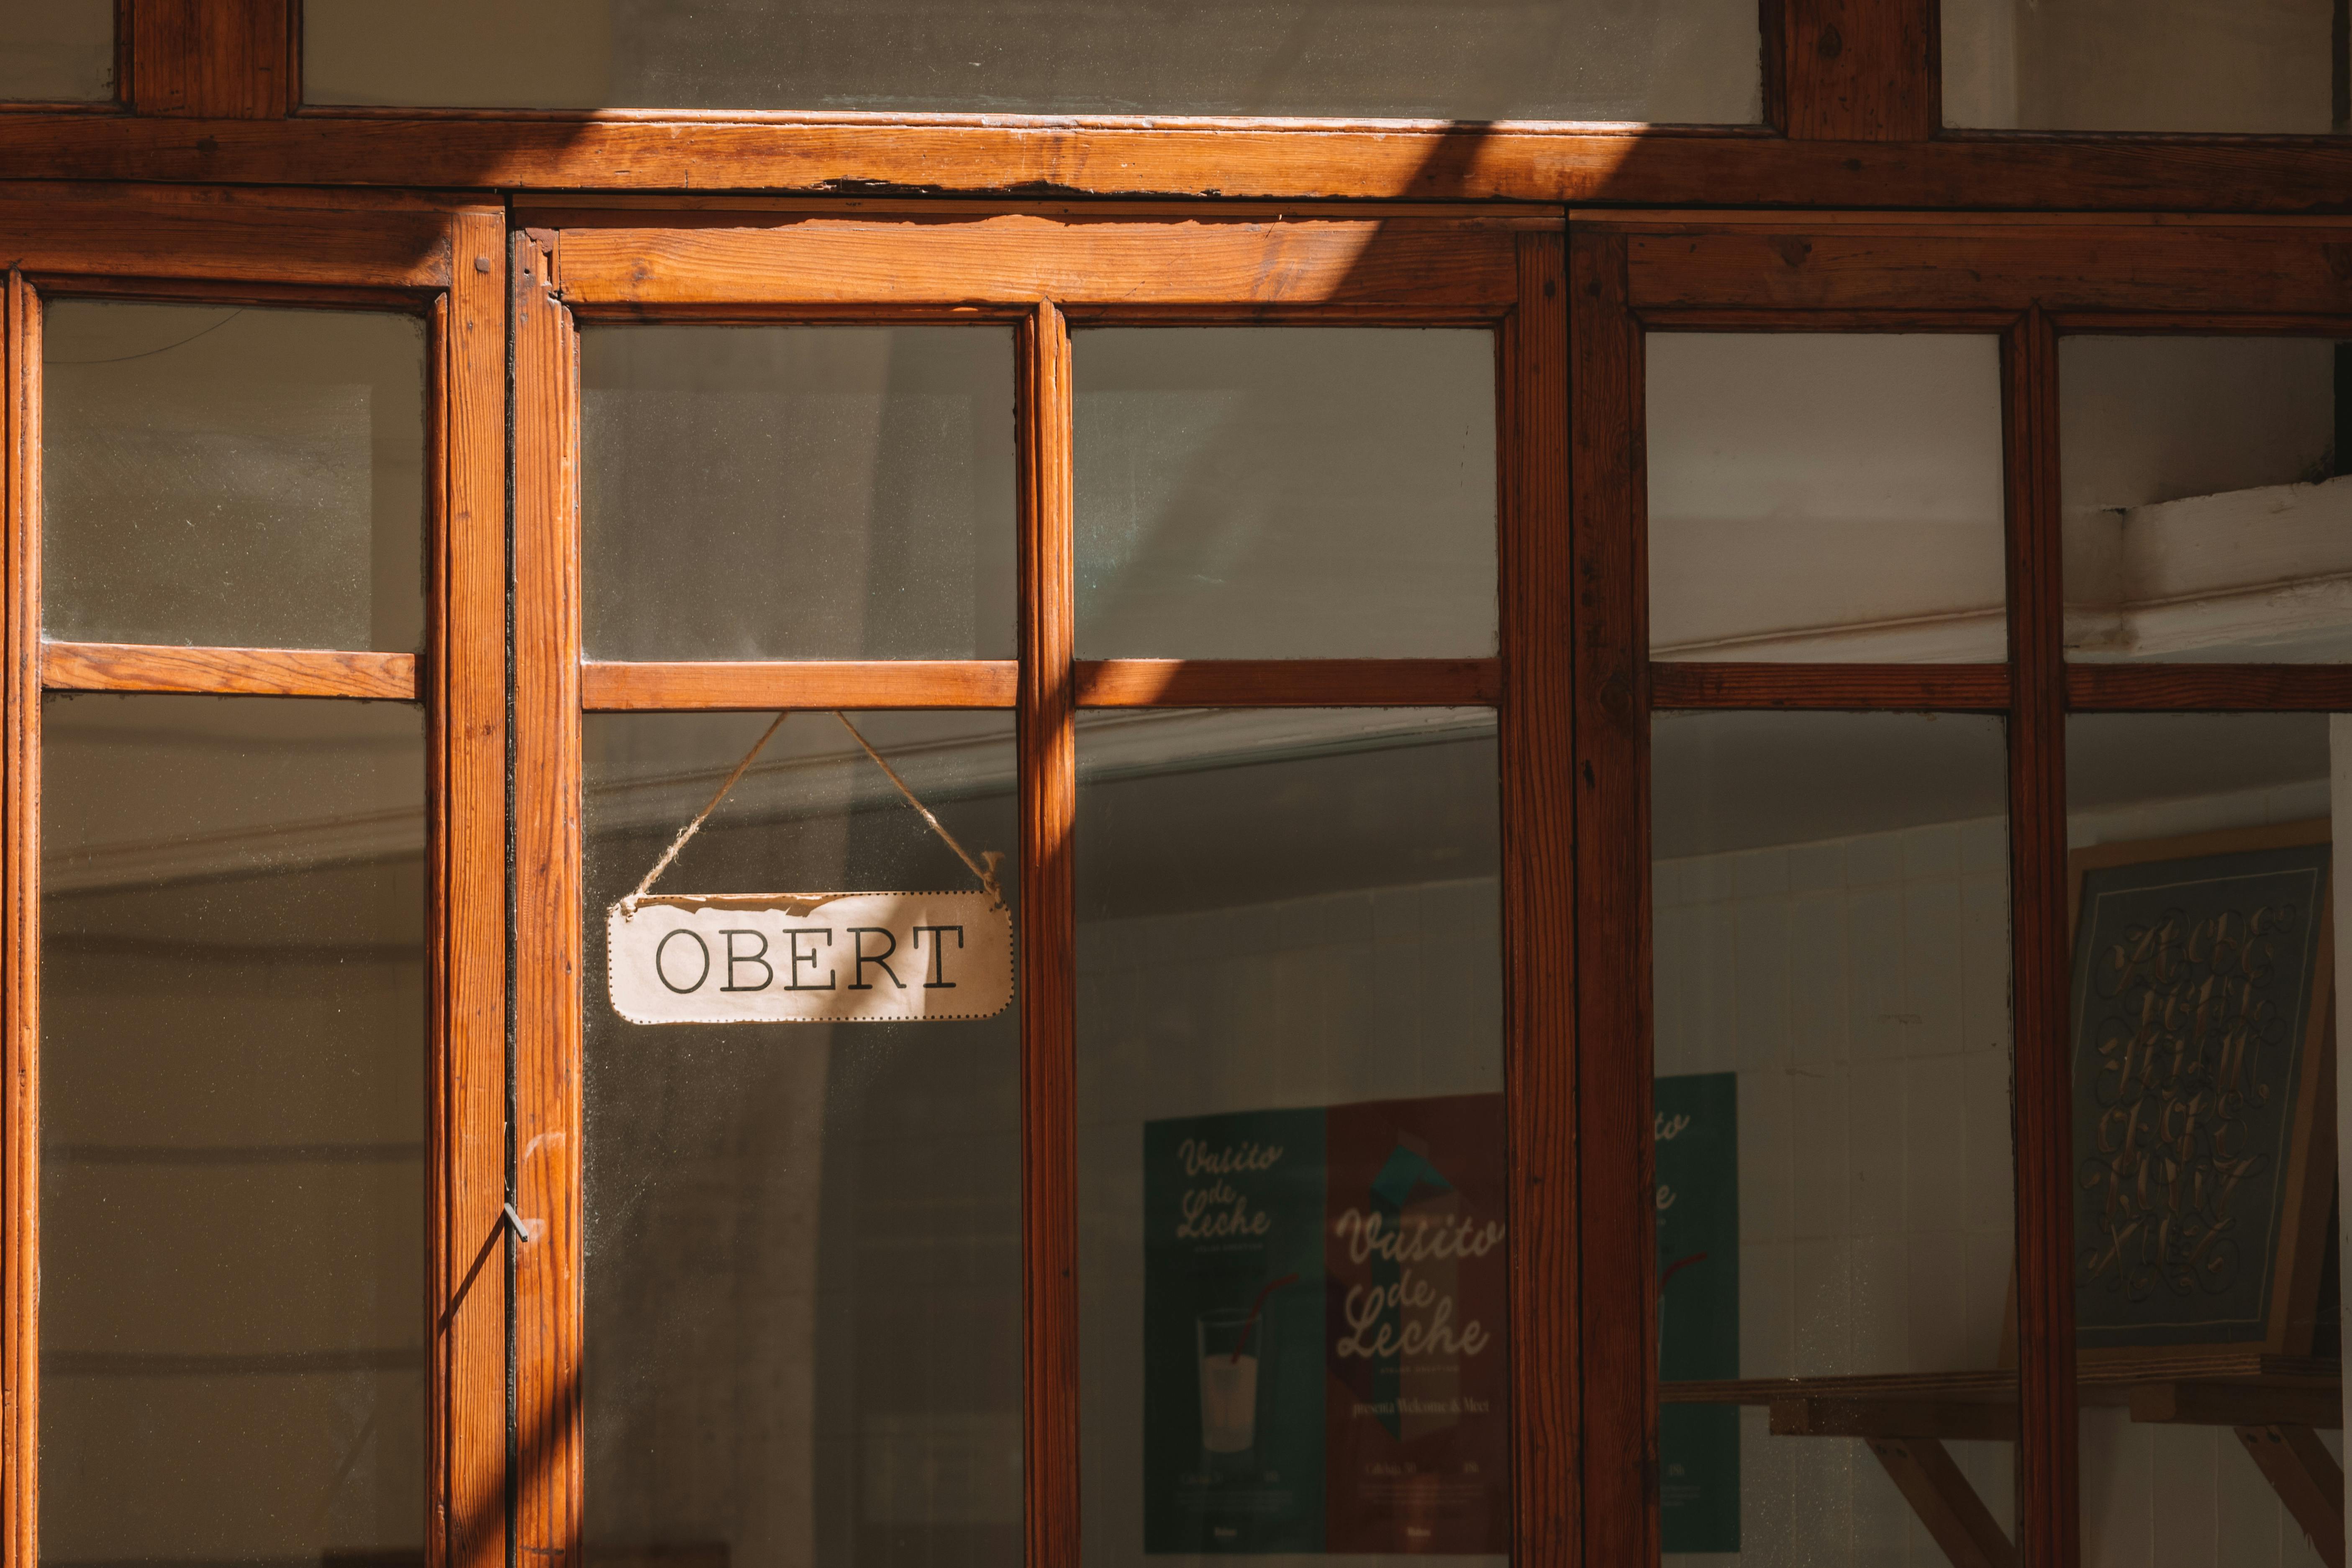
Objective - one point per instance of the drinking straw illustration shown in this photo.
(1256, 1307)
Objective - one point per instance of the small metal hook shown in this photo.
(515, 1223)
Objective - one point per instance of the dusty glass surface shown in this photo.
(231, 475)
(2142, 64)
(797, 492)
(1293, 1331)
(1691, 60)
(1825, 496)
(1834, 1198)
(2205, 519)
(233, 1127)
(56, 51)
(2208, 989)
(802, 1270)
(1284, 492)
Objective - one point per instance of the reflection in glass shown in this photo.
(2207, 984)
(2141, 65)
(1291, 1184)
(2204, 518)
(230, 476)
(797, 493)
(56, 51)
(1284, 492)
(233, 1065)
(1818, 497)
(1687, 60)
(802, 1272)
(1831, 960)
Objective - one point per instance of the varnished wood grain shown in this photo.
(1539, 886)
(2040, 957)
(1048, 959)
(546, 939)
(1610, 780)
(20, 934)
(1959, 687)
(277, 238)
(944, 256)
(260, 671)
(1172, 156)
(758, 686)
(467, 694)
(213, 60)
(2209, 688)
(1286, 683)
(1861, 70)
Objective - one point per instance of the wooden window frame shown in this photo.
(2029, 279)
(1040, 269)
(443, 262)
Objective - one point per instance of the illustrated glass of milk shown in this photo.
(1229, 1339)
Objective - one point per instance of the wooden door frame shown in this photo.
(442, 261)
(1038, 270)
(2028, 278)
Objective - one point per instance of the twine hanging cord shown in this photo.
(986, 872)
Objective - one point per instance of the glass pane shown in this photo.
(1695, 61)
(2141, 65)
(2204, 520)
(1284, 492)
(1834, 1208)
(2205, 1102)
(56, 51)
(1293, 1312)
(797, 492)
(228, 476)
(1819, 497)
(803, 1239)
(233, 1127)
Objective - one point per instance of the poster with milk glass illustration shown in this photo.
(1325, 1368)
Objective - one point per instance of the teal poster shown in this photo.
(1325, 1368)
(1698, 1152)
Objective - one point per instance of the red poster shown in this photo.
(1417, 1414)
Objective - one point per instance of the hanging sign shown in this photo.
(809, 958)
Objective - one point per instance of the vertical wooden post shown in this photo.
(20, 929)
(1861, 70)
(213, 60)
(1048, 744)
(1540, 911)
(1610, 781)
(466, 704)
(546, 942)
(2042, 1096)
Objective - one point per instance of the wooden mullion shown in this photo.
(2049, 1445)
(1861, 70)
(1616, 1330)
(465, 692)
(1538, 871)
(750, 685)
(1909, 688)
(2209, 688)
(20, 929)
(1288, 682)
(1048, 808)
(546, 930)
(212, 59)
(249, 671)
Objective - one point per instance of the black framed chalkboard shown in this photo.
(2203, 1088)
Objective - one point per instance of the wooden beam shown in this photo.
(20, 931)
(274, 238)
(758, 686)
(1863, 71)
(242, 671)
(2209, 688)
(1975, 1420)
(2238, 1404)
(1288, 682)
(213, 60)
(1952, 688)
(1955, 1517)
(2307, 1479)
(1172, 156)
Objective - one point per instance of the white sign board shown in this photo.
(808, 958)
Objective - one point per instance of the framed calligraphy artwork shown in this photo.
(2204, 1091)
